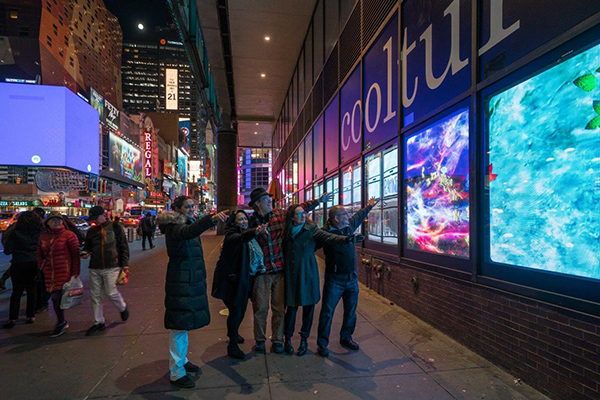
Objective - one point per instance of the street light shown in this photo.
(141, 27)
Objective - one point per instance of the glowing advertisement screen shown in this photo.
(544, 170)
(125, 159)
(437, 187)
(48, 126)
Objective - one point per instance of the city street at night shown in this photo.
(401, 357)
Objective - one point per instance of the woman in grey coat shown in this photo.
(302, 286)
(186, 301)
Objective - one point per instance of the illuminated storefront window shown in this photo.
(382, 183)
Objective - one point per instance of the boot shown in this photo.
(234, 351)
(287, 346)
(303, 347)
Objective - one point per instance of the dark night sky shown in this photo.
(151, 13)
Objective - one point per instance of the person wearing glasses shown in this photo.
(186, 300)
(341, 277)
(302, 287)
(269, 283)
(107, 245)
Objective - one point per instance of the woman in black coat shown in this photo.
(302, 286)
(240, 258)
(186, 301)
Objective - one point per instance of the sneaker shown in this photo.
(277, 348)
(184, 382)
(30, 320)
(125, 314)
(151, 247)
(9, 325)
(349, 344)
(59, 329)
(234, 351)
(189, 367)
(95, 329)
(259, 347)
(323, 351)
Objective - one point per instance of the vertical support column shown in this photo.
(226, 172)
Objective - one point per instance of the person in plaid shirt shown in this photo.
(269, 284)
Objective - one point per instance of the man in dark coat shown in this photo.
(341, 277)
(240, 258)
(106, 243)
(186, 301)
(148, 227)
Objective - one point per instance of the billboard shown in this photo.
(97, 101)
(182, 165)
(185, 128)
(111, 116)
(350, 117)
(543, 168)
(437, 187)
(171, 89)
(48, 126)
(124, 158)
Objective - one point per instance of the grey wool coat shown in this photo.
(302, 286)
(186, 300)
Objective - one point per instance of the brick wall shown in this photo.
(553, 349)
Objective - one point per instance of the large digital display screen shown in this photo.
(437, 187)
(124, 158)
(544, 169)
(48, 126)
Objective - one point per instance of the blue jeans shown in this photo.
(334, 288)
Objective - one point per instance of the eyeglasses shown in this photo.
(189, 206)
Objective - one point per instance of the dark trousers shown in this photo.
(60, 313)
(23, 276)
(42, 295)
(6, 275)
(235, 318)
(290, 320)
(335, 288)
(144, 236)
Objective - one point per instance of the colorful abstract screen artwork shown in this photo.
(544, 170)
(437, 187)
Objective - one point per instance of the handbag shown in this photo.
(123, 278)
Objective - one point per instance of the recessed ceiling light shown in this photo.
(257, 123)
(267, 38)
(263, 75)
(140, 26)
(256, 133)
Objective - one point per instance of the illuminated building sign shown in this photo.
(171, 89)
(148, 151)
(111, 114)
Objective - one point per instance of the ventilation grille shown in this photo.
(349, 42)
(317, 98)
(374, 13)
(330, 72)
(308, 116)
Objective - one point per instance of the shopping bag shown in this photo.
(123, 278)
(72, 294)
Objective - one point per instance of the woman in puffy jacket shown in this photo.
(58, 256)
(21, 241)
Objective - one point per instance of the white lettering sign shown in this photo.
(171, 89)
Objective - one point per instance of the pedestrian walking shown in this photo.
(341, 277)
(22, 242)
(147, 226)
(186, 300)
(58, 257)
(302, 287)
(241, 258)
(269, 285)
(107, 245)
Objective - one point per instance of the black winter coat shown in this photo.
(186, 301)
(22, 247)
(341, 258)
(232, 281)
(147, 225)
(108, 246)
(301, 270)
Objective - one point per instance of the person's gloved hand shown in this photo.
(356, 238)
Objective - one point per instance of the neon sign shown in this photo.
(148, 151)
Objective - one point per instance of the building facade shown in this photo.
(254, 170)
(479, 141)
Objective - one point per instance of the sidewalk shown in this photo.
(400, 358)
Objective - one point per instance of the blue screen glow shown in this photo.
(544, 170)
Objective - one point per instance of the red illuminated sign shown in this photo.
(147, 151)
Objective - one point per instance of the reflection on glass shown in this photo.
(544, 169)
(318, 212)
(437, 187)
(382, 183)
(333, 188)
(356, 187)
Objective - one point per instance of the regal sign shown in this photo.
(148, 151)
